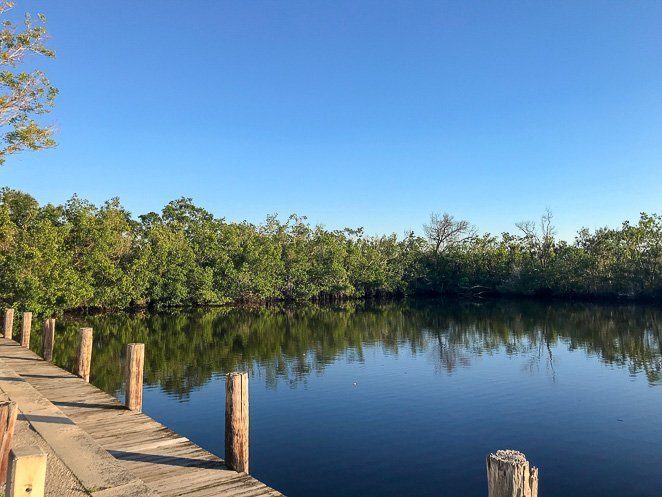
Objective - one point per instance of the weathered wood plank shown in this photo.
(168, 463)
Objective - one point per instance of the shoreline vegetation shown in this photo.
(80, 257)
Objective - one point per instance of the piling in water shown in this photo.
(26, 326)
(84, 353)
(9, 323)
(509, 475)
(236, 421)
(135, 361)
(48, 340)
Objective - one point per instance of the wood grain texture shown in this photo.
(135, 361)
(9, 323)
(236, 421)
(509, 475)
(26, 327)
(167, 462)
(8, 412)
(84, 353)
(48, 339)
(26, 473)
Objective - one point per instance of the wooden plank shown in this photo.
(168, 463)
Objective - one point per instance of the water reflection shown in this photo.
(186, 349)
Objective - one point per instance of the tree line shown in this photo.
(81, 256)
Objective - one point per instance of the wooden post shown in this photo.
(8, 412)
(509, 475)
(26, 476)
(9, 323)
(25, 329)
(48, 340)
(135, 361)
(85, 353)
(236, 421)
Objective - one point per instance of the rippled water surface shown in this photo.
(407, 399)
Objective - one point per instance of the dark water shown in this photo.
(407, 399)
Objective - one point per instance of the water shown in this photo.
(407, 399)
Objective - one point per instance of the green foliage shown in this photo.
(23, 95)
(79, 256)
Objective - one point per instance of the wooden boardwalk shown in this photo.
(168, 463)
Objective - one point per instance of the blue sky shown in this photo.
(355, 113)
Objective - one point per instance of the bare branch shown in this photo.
(444, 231)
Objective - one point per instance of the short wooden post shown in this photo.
(84, 353)
(8, 412)
(25, 329)
(26, 476)
(135, 361)
(9, 323)
(236, 421)
(509, 475)
(48, 340)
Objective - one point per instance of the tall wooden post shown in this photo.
(48, 340)
(26, 476)
(135, 361)
(84, 353)
(8, 412)
(26, 326)
(9, 323)
(236, 421)
(509, 475)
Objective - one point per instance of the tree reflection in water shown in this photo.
(185, 349)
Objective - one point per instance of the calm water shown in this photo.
(407, 399)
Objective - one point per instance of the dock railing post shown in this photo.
(236, 421)
(26, 475)
(135, 362)
(8, 412)
(509, 475)
(26, 326)
(48, 340)
(9, 323)
(84, 353)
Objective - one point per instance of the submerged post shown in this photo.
(135, 361)
(85, 353)
(26, 476)
(26, 326)
(236, 421)
(8, 413)
(48, 340)
(509, 475)
(9, 323)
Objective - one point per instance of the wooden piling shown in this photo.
(26, 476)
(9, 323)
(26, 326)
(509, 475)
(135, 361)
(48, 340)
(8, 412)
(236, 421)
(84, 353)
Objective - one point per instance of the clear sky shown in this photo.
(357, 113)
